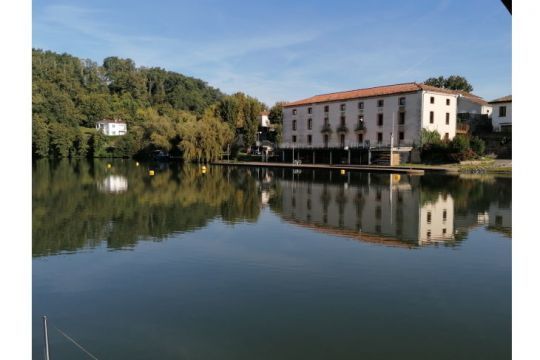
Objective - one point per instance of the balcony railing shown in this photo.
(326, 129)
(342, 129)
(462, 128)
(360, 127)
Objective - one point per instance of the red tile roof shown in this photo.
(471, 97)
(502, 99)
(369, 92)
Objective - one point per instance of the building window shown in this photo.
(498, 220)
(431, 117)
(401, 118)
(294, 112)
(502, 111)
(447, 118)
(379, 137)
(447, 101)
(342, 140)
(444, 214)
(444, 231)
(325, 121)
(378, 212)
(309, 123)
(294, 138)
(380, 119)
(401, 136)
(429, 234)
(361, 105)
(361, 118)
(294, 124)
(432, 100)
(360, 138)
(378, 195)
(342, 121)
(309, 139)
(325, 140)
(380, 103)
(446, 136)
(429, 217)
(326, 108)
(342, 107)
(309, 110)
(401, 101)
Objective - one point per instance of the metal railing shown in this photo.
(326, 128)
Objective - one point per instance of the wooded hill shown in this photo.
(164, 110)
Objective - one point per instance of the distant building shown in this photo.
(263, 119)
(368, 118)
(473, 111)
(502, 113)
(112, 127)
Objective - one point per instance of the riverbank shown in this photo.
(370, 168)
(492, 167)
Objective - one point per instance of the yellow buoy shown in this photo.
(109, 166)
(151, 172)
(342, 171)
(396, 177)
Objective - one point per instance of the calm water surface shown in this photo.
(240, 263)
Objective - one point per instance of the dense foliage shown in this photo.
(436, 150)
(453, 82)
(164, 110)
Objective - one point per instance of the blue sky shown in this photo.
(288, 50)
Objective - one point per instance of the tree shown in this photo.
(276, 113)
(453, 82)
(61, 140)
(40, 137)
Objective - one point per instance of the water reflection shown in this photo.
(113, 184)
(70, 212)
(395, 209)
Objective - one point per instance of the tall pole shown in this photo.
(392, 139)
(46, 338)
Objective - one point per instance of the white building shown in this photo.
(370, 117)
(501, 118)
(112, 127)
(263, 119)
(471, 104)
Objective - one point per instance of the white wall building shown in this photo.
(501, 118)
(263, 119)
(112, 127)
(370, 116)
(472, 104)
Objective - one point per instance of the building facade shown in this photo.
(373, 117)
(501, 118)
(112, 127)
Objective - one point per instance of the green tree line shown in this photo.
(164, 110)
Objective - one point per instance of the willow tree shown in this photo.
(204, 139)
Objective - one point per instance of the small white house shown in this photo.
(263, 120)
(501, 118)
(112, 127)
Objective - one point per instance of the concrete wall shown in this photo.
(496, 120)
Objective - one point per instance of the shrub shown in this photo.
(459, 144)
(478, 145)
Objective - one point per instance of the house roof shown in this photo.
(264, 113)
(370, 92)
(507, 98)
(471, 97)
(107, 121)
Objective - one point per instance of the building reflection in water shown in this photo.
(113, 184)
(384, 208)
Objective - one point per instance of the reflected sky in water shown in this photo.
(243, 263)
